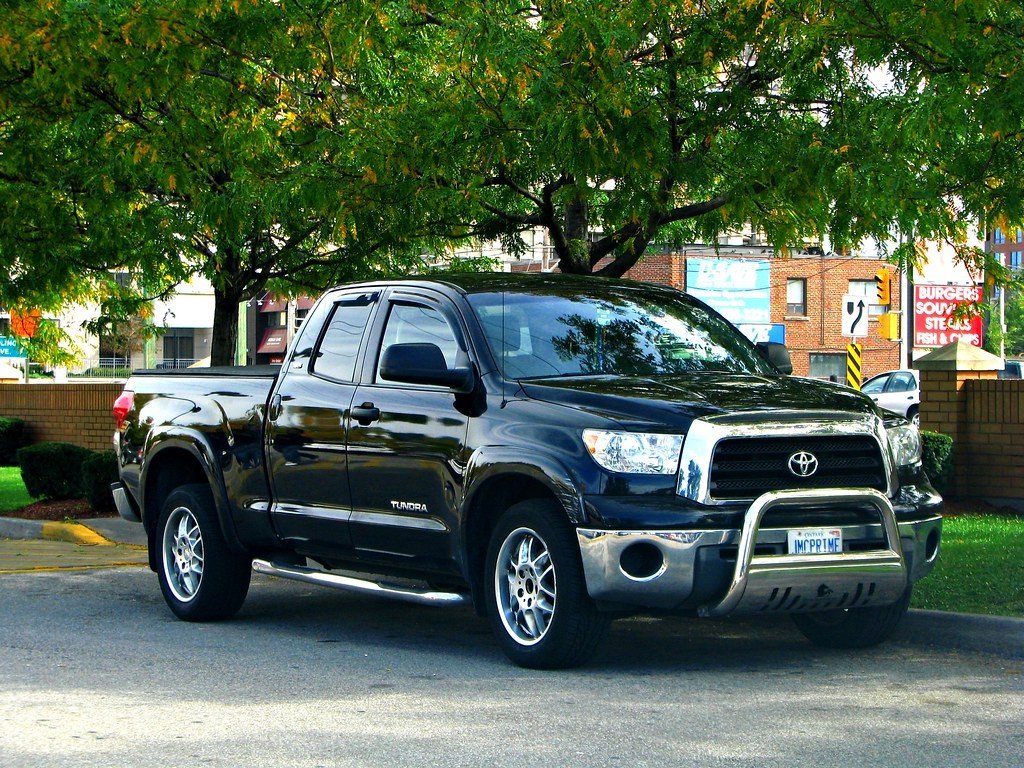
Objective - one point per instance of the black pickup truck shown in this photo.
(554, 451)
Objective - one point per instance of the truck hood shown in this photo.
(676, 400)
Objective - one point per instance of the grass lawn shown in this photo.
(12, 491)
(980, 568)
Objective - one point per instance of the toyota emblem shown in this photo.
(803, 464)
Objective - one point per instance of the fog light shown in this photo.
(642, 561)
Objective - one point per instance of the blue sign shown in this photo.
(9, 347)
(738, 288)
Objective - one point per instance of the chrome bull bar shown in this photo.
(814, 582)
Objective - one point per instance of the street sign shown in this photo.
(853, 367)
(9, 347)
(855, 316)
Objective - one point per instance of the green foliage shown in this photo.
(621, 119)
(12, 437)
(937, 458)
(291, 146)
(52, 470)
(98, 472)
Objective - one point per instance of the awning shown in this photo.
(274, 341)
(270, 303)
(304, 302)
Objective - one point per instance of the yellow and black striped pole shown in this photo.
(853, 375)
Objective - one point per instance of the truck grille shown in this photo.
(744, 468)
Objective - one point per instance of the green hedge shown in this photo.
(98, 472)
(53, 470)
(12, 437)
(937, 457)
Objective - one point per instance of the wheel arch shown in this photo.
(496, 489)
(174, 461)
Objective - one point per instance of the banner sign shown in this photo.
(738, 288)
(9, 347)
(933, 306)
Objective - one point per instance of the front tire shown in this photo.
(536, 593)
(853, 627)
(200, 577)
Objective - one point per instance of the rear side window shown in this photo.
(339, 347)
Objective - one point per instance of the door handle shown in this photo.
(274, 409)
(365, 414)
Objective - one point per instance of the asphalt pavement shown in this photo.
(32, 545)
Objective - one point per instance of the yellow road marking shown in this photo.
(75, 533)
(52, 568)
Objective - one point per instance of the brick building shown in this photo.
(806, 293)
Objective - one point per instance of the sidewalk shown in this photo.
(35, 545)
(114, 542)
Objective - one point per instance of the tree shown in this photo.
(179, 154)
(610, 124)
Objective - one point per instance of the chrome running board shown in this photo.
(351, 584)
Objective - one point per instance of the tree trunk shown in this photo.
(225, 326)
(575, 258)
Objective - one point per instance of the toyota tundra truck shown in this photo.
(554, 451)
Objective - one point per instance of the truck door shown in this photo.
(406, 443)
(306, 426)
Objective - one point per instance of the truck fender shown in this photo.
(162, 439)
(491, 461)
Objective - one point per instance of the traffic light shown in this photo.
(882, 287)
(889, 326)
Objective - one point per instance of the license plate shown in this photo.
(816, 541)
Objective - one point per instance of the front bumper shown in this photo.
(717, 572)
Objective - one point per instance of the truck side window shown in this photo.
(409, 324)
(336, 356)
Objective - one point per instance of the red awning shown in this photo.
(270, 303)
(274, 341)
(304, 302)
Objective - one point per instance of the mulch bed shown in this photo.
(47, 509)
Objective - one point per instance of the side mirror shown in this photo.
(423, 364)
(777, 355)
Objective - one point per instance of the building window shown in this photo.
(998, 236)
(179, 348)
(828, 365)
(796, 296)
(1020, 236)
(866, 289)
(1015, 259)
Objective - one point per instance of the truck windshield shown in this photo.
(616, 330)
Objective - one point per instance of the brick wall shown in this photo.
(820, 328)
(68, 413)
(991, 456)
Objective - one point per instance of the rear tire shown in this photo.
(200, 577)
(914, 416)
(536, 594)
(853, 627)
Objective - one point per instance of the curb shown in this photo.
(76, 533)
(999, 635)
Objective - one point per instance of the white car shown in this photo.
(898, 391)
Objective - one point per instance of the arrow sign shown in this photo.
(855, 316)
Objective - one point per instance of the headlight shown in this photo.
(905, 442)
(636, 452)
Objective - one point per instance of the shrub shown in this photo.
(53, 470)
(98, 471)
(12, 437)
(937, 457)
